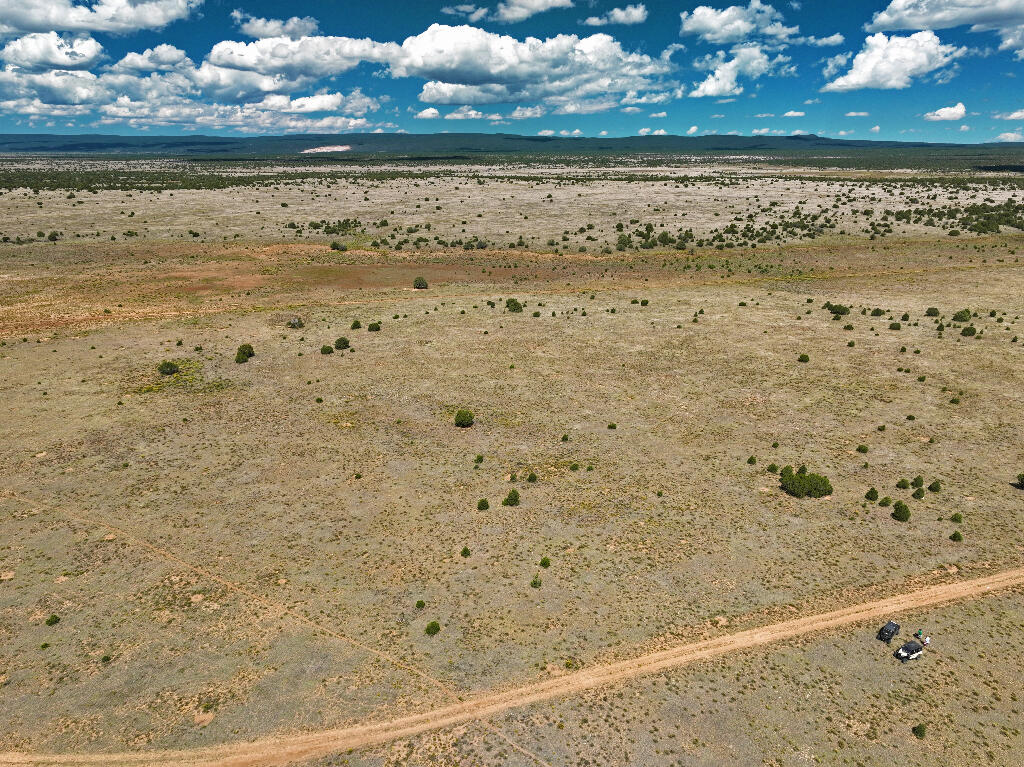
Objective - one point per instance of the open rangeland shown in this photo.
(297, 556)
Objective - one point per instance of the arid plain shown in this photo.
(233, 553)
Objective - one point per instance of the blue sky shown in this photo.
(922, 70)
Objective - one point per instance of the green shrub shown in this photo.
(773, 468)
(420, 604)
(862, 448)
(465, 552)
(612, 426)
(341, 343)
(373, 327)
(803, 358)
(918, 493)
(1020, 481)
(356, 324)
(419, 283)
(931, 311)
(531, 477)
(969, 331)
(752, 460)
(919, 731)
(327, 349)
(168, 368)
(464, 419)
(900, 512)
(512, 499)
(244, 354)
(895, 326)
(903, 484)
(964, 315)
(482, 505)
(53, 620)
(512, 305)
(956, 537)
(886, 501)
(432, 628)
(800, 484)
(535, 583)
(545, 562)
(871, 495)
(338, 246)
(917, 481)
(478, 460)
(935, 486)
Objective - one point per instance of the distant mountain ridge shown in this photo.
(435, 144)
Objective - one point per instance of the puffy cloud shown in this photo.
(957, 112)
(747, 60)
(355, 103)
(430, 113)
(692, 129)
(835, 64)
(294, 27)
(1003, 16)
(545, 133)
(1013, 137)
(893, 62)
(631, 14)
(510, 11)
(99, 16)
(526, 113)
(659, 114)
(471, 12)
(794, 113)
(53, 87)
(309, 57)
(644, 131)
(39, 52)
(468, 65)
(660, 132)
(1018, 115)
(858, 114)
(159, 59)
(468, 113)
(247, 118)
(824, 42)
(735, 23)
(876, 128)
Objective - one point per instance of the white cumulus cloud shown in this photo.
(957, 112)
(1014, 137)
(893, 62)
(294, 27)
(430, 113)
(511, 11)
(48, 50)
(631, 14)
(1006, 17)
(100, 16)
(747, 60)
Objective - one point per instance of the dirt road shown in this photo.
(287, 749)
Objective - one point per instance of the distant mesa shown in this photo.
(335, 148)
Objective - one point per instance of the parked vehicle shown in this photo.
(912, 650)
(888, 631)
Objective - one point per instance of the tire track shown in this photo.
(288, 749)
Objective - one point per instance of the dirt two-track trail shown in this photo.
(291, 748)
